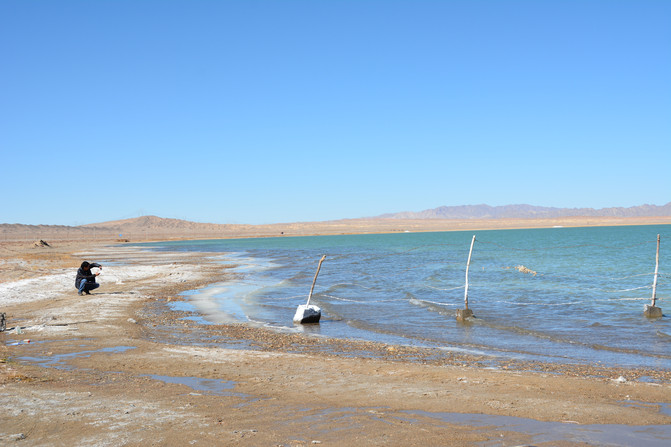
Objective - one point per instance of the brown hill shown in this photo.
(150, 223)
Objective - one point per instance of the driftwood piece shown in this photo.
(523, 269)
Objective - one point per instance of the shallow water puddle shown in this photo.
(347, 416)
(598, 434)
(206, 386)
(59, 361)
(664, 408)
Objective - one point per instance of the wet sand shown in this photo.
(119, 368)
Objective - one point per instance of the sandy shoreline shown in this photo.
(119, 368)
(158, 229)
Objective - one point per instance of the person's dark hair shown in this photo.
(85, 264)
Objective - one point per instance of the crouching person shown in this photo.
(86, 279)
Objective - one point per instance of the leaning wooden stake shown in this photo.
(315, 280)
(309, 313)
(463, 314)
(651, 310)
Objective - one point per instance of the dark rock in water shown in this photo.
(652, 311)
(310, 319)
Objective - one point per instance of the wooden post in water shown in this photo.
(654, 282)
(463, 314)
(315, 280)
(652, 311)
(468, 266)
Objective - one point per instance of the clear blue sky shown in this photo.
(280, 111)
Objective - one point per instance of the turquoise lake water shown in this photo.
(584, 304)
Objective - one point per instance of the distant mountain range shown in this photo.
(528, 212)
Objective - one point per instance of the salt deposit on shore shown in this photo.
(62, 281)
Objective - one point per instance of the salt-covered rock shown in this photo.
(307, 313)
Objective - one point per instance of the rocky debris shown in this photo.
(244, 433)
(41, 243)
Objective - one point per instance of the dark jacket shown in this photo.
(86, 274)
